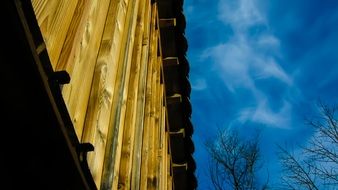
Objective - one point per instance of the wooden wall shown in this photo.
(116, 96)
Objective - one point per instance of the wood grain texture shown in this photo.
(141, 101)
(128, 142)
(153, 175)
(158, 142)
(147, 176)
(54, 18)
(74, 38)
(120, 95)
(79, 58)
(116, 97)
(163, 143)
(98, 115)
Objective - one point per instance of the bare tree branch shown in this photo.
(234, 162)
(296, 172)
(318, 166)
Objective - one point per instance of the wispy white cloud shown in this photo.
(273, 79)
(244, 59)
(198, 84)
(241, 14)
(263, 114)
(268, 67)
(240, 63)
(268, 41)
(232, 63)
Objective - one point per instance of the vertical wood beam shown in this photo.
(152, 177)
(129, 133)
(70, 50)
(147, 149)
(54, 18)
(117, 119)
(162, 141)
(100, 102)
(84, 52)
(141, 102)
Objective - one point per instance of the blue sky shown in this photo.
(260, 64)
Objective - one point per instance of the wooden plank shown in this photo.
(158, 109)
(100, 101)
(154, 161)
(184, 165)
(165, 152)
(131, 112)
(168, 160)
(146, 132)
(163, 170)
(161, 105)
(147, 149)
(170, 178)
(141, 103)
(54, 18)
(152, 178)
(167, 22)
(176, 98)
(165, 164)
(170, 61)
(70, 51)
(117, 119)
(162, 139)
(179, 132)
(82, 58)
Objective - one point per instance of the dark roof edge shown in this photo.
(182, 48)
(52, 81)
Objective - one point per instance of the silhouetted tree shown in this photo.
(234, 162)
(317, 165)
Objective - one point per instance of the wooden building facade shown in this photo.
(116, 75)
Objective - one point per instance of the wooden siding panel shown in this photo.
(128, 142)
(82, 60)
(54, 18)
(120, 95)
(103, 85)
(141, 102)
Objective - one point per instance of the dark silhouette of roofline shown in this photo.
(174, 44)
(41, 150)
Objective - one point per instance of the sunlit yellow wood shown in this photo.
(147, 177)
(141, 102)
(128, 142)
(120, 95)
(116, 97)
(103, 85)
(82, 60)
(54, 18)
